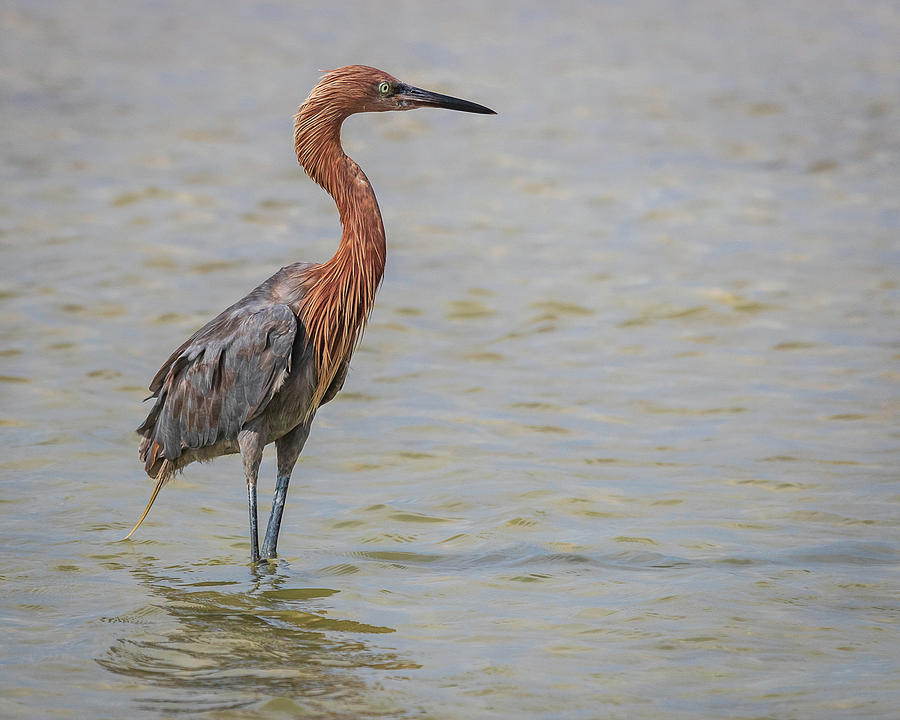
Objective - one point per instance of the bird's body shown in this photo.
(257, 373)
(235, 373)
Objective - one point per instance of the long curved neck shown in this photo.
(341, 291)
(317, 141)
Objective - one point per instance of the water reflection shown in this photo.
(224, 644)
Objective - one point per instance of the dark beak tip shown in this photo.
(475, 108)
(427, 98)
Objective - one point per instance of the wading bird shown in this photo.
(257, 373)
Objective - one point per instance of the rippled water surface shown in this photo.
(621, 440)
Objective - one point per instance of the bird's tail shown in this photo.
(159, 484)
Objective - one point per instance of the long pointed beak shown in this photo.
(415, 97)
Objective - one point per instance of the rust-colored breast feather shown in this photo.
(334, 310)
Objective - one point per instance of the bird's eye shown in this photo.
(384, 87)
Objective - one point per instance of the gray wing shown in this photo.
(220, 379)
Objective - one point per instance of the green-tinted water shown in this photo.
(621, 439)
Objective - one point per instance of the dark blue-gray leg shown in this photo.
(251, 447)
(254, 533)
(274, 525)
(288, 448)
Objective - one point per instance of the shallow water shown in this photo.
(620, 441)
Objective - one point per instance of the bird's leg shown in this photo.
(251, 453)
(288, 448)
(254, 533)
(273, 527)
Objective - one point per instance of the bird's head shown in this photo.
(359, 88)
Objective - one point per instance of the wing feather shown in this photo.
(220, 379)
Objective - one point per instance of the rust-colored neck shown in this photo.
(340, 292)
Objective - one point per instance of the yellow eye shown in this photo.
(384, 87)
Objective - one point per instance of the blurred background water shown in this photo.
(621, 439)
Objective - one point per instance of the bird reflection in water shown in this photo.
(219, 645)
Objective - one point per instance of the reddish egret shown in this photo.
(258, 372)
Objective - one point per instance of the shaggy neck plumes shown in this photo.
(341, 291)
